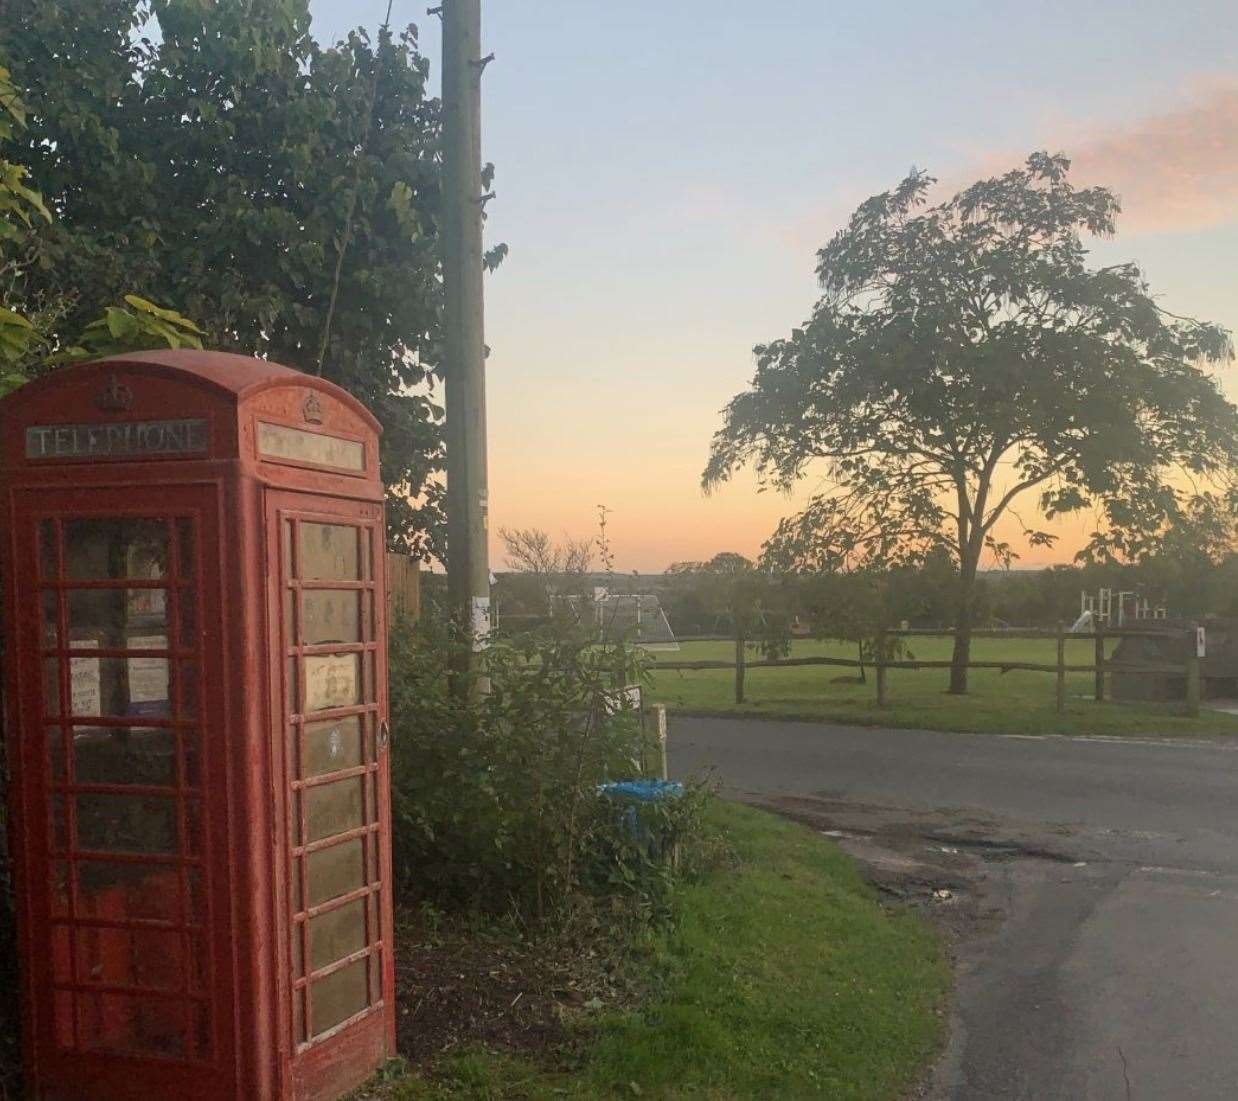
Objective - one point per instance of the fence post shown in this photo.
(659, 712)
(1100, 660)
(739, 666)
(1061, 668)
(881, 668)
(1192, 674)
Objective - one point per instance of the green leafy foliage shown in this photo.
(496, 803)
(20, 205)
(142, 325)
(963, 355)
(28, 344)
(280, 192)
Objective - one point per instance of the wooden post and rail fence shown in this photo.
(882, 663)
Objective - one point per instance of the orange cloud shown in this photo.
(1173, 171)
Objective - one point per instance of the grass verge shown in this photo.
(782, 977)
(1017, 702)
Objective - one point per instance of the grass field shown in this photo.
(1017, 702)
(782, 977)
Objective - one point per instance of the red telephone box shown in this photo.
(196, 686)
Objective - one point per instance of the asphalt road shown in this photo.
(1101, 958)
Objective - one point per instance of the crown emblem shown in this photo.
(312, 409)
(115, 397)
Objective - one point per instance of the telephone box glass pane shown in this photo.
(131, 1024)
(329, 552)
(336, 934)
(59, 889)
(335, 871)
(51, 617)
(148, 958)
(193, 757)
(186, 547)
(51, 687)
(332, 680)
(188, 671)
(61, 955)
(114, 891)
(120, 687)
(59, 833)
(188, 609)
(332, 746)
(98, 549)
(333, 808)
(193, 841)
(49, 567)
(338, 996)
(55, 753)
(126, 823)
(118, 619)
(330, 616)
(124, 755)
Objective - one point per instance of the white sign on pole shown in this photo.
(1201, 642)
(481, 623)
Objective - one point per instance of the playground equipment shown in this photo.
(637, 618)
(1107, 608)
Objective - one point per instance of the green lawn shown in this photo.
(1017, 702)
(783, 977)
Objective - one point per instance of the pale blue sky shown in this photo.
(667, 170)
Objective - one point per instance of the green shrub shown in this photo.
(495, 802)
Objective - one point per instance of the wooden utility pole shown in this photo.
(468, 565)
(1193, 672)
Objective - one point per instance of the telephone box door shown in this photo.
(119, 746)
(332, 723)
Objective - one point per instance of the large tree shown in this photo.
(279, 192)
(963, 356)
(30, 340)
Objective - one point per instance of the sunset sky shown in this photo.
(666, 172)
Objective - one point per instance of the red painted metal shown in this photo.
(199, 812)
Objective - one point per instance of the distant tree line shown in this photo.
(851, 606)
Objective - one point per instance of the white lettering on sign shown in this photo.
(116, 441)
(278, 441)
